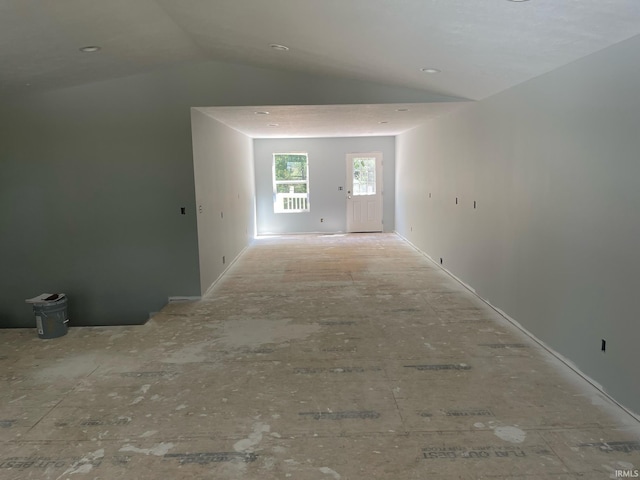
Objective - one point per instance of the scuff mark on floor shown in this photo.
(191, 354)
(85, 464)
(159, 450)
(250, 332)
(510, 434)
(328, 471)
(254, 439)
(68, 367)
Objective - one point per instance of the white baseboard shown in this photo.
(231, 263)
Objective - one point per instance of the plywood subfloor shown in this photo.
(314, 358)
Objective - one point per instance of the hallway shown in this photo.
(316, 357)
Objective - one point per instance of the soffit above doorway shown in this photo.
(306, 121)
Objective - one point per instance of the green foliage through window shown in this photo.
(291, 167)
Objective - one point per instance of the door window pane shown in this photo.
(364, 176)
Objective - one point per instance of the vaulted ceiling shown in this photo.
(479, 47)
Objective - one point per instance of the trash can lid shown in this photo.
(45, 298)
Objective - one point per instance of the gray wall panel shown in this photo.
(553, 164)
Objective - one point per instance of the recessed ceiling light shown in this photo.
(262, 113)
(429, 70)
(402, 109)
(273, 125)
(281, 48)
(90, 49)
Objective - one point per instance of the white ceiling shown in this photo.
(481, 46)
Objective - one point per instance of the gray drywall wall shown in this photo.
(93, 178)
(554, 167)
(91, 189)
(225, 196)
(327, 172)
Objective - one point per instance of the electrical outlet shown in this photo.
(183, 211)
(603, 345)
(223, 260)
(440, 260)
(321, 220)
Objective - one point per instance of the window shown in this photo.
(364, 176)
(290, 182)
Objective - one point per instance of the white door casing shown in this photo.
(364, 192)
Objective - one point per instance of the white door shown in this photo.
(364, 192)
